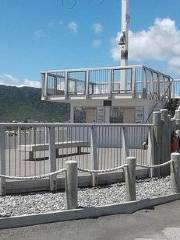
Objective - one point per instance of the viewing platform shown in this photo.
(105, 83)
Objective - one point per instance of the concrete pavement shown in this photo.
(161, 223)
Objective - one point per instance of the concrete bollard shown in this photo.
(130, 179)
(175, 172)
(72, 185)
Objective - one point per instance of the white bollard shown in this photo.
(175, 172)
(130, 179)
(72, 185)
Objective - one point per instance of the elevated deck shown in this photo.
(105, 84)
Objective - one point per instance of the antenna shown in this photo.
(124, 33)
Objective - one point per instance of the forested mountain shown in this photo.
(24, 104)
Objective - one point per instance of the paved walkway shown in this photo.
(161, 223)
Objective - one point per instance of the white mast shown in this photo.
(124, 42)
(124, 33)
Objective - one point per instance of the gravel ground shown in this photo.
(46, 202)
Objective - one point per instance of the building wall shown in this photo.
(121, 111)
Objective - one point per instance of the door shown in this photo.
(129, 115)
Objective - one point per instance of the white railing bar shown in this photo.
(91, 69)
(75, 125)
(156, 71)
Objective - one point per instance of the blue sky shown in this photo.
(45, 34)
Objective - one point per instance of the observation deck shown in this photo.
(105, 83)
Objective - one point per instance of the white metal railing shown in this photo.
(36, 149)
(141, 81)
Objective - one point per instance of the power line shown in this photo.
(74, 3)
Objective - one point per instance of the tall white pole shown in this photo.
(124, 42)
(124, 33)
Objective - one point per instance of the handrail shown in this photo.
(91, 69)
(161, 99)
(87, 84)
(74, 125)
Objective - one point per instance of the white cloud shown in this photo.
(97, 27)
(9, 80)
(161, 42)
(72, 27)
(97, 43)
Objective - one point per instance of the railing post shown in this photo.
(45, 84)
(158, 90)
(111, 82)
(157, 141)
(94, 162)
(130, 179)
(125, 150)
(19, 136)
(52, 159)
(66, 85)
(2, 162)
(72, 185)
(175, 172)
(87, 84)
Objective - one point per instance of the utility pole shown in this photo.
(123, 43)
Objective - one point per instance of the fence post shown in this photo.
(150, 150)
(52, 159)
(157, 141)
(130, 179)
(72, 184)
(165, 141)
(177, 118)
(125, 150)
(175, 172)
(94, 162)
(2, 162)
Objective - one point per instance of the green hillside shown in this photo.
(24, 104)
